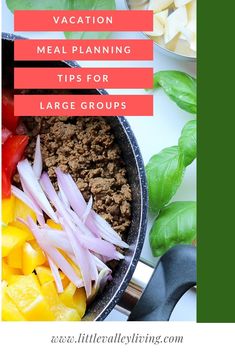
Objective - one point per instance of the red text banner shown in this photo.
(83, 105)
(68, 78)
(40, 50)
(83, 21)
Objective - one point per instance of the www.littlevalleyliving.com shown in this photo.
(117, 338)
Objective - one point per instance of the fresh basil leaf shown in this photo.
(67, 5)
(61, 5)
(180, 87)
(37, 5)
(91, 5)
(176, 224)
(188, 142)
(164, 175)
(87, 35)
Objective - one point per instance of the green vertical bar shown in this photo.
(216, 162)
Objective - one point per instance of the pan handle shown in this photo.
(174, 274)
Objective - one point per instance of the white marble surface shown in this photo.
(153, 134)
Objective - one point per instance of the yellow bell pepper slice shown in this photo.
(74, 298)
(7, 271)
(8, 206)
(23, 211)
(60, 311)
(10, 311)
(45, 275)
(14, 259)
(80, 301)
(12, 237)
(53, 225)
(22, 226)
(26, 293)
(32, 257)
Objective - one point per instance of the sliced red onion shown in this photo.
(56, 275)
(106, 230)
(82, 257)
(53, 197)
(82, 227)
(87, 210)
(34, 188)
(54, 254)
(22, 196)
(103, 278)
(37, 164)
(62, 196)
(93, 267)
(41, 220)
(100, 264)
(94, 222)
(58, 239)
(21, 220)
(99, 246)
(21, 129)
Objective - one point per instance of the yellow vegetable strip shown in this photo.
(56, 275)
(54, 254)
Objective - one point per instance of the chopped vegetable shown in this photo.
(8, 207)
(59, 310)
(12, 152)
(177, 20)
(175, 25)
(8, 119)
(5, 134)
(31, 258)
(37, 164)
(14, 259)
(6, 185)
(31, 183)
(26, 293)
(12, 237)
(63, 249)
(10, 312)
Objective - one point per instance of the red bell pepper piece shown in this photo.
(6, 185)
(12, 152)
(9, 120)
(5, 134)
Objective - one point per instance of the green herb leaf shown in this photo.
(37, 5)
(164, 175)
(67, 5)
(188, 142)
(176, 224)
(87, 35)
(91, 5)
(180, 87)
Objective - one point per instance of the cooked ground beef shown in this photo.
(86, 148)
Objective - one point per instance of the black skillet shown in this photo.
(175, 272)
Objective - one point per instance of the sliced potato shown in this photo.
(177, 20)
(159, 24)
(183, 47)
(159, 5)
(179, 3)
(192, 23)
(171, 45)
(162, 16)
